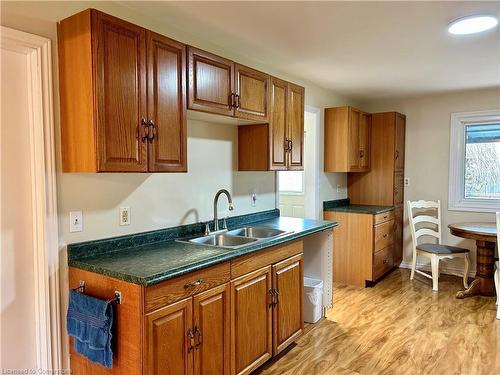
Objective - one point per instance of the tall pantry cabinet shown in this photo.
(384, 183)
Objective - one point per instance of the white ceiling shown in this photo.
(364, 50)
(360, 49)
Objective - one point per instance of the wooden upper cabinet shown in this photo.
(251, 93)
(106, 125)
(347, 140)
(210, 82)
(296, 126)
(278, 125)
(211, 312)
(288, 319)
(169, 337)
(278, 145)
(167, 103)
(251, 321)
(121, 84)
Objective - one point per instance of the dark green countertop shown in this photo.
(343, 205)
(361, 209)
(155, 262)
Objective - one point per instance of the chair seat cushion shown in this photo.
(435, 248)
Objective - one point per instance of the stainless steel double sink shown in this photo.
(237, 238)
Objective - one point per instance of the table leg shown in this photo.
(483, 284)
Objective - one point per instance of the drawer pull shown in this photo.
(385, 235)
(386, 261)
(193, 284)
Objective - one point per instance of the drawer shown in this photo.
(254, 261)
(382, 262)
(384, 216)
(184, 286)
(383, 235)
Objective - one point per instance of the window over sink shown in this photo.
(475, 161)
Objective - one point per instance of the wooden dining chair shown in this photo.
(497, 267)
(425, 221)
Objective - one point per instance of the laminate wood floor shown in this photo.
(398, 327)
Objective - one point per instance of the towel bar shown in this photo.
(117, 298)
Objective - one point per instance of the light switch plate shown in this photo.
(124, 215)
(407, 181)
(75, 221)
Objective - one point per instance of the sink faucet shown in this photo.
(216, 200)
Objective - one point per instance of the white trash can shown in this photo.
(313, 299)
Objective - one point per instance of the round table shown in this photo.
(485, 235)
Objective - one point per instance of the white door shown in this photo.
(28, 231)
(17, 257)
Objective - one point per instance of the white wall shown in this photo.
(428, 150)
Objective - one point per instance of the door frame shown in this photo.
(316, 162)
(38, 54)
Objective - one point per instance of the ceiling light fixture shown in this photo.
(472, 24)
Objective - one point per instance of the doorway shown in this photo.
(298, 191)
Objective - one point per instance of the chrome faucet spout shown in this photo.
(216, 200)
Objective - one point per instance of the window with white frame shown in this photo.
(475, 161)
(291, 182)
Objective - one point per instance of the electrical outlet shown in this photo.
(407, 181)
(254, 200)
(338, 188)
(75, 221)
(124, 215)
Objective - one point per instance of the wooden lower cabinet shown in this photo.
(363, 246)
(288, 316)
(226, 319)
(190, 336)
(168, 344)
(212, 324)
(251, 320)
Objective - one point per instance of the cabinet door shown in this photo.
(277, 124)
(354, 147)
(398, 235)
(399, 153)
(167, 103)
(168, 345)
(364, 141)
(121, 94)
(251, 321)
(252, 90)
(288, 321)
(398, 189)
(210, 82)
(295, 123)
(212, 328)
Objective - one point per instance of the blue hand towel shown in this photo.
(89, 321)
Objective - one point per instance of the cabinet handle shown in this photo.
(151, 131)
(271, 296)
(190, 336)
(386, 261)
(236, 101)
(290, 146)
(198, 337)
(193, 284)
(361, 154)
(145, 130)
(396, 154)
(232, 104)
(276, 293)
(385, 235)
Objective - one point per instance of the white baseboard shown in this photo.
(447, 270)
